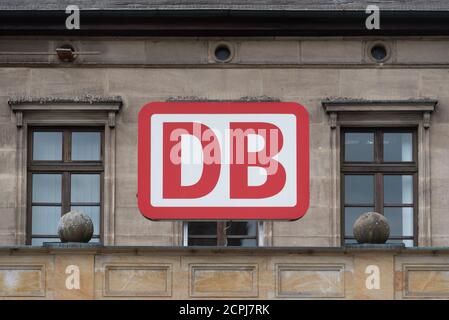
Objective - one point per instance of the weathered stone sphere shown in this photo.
(371, 227)
(75, 226)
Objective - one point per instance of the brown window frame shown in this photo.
(221, 235)
(65, 167)
(378, 168)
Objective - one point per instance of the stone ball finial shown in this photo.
(371, 227)
(75, 226)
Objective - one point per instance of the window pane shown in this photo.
(86, 145)
(45, 220)
(202, 228)
(351, 215)
(398, 189)
(400, 220)
(242, 243)
(359, 189)
(202, 242)
(398, 147)
(359, 147)
(47, 145)
(85, 188)
(46, 188)
(241, 228)
(40, 241)
(93, 212)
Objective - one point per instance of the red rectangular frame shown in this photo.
(222, 213)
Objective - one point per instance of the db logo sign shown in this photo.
(223, 160)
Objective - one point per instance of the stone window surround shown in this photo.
(84, 111)
(382, 113)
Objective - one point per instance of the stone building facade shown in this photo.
(382, 90)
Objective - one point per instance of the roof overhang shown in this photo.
(225, 18)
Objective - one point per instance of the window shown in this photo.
(222, 233)
(379, 173)
(65, 172)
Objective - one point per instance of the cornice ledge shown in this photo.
(109, 104)
(362, 105)
(87, 102)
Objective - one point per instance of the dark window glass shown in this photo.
(222, 233)
(380, 178)
(359, 189)
(46, 203)
(47, 146)
(400, 220)
(46, 188)
(241, 228)
(45, 219)
(398, 189)
(359, 146)
(222, 53)
(64, 184)
(202, 228)
(379, 52)
(85, 188)
(398, 147)
(86, 146)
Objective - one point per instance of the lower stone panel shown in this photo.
(219, 280)
(310, 281)
(137, 281)
(22, 280)
(423, 277)
(185, 274)
(426, 281)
